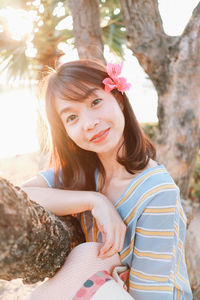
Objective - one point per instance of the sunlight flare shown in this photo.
(19, 22)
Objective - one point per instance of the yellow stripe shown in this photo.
(181, 212)
(154, 278)
(159, 210)
(177, 270)
(178, 295)
(151, 288)
(176, 286)
(178, 265)
(178, 275)
(174, 281)
(183, 279)
(155, 233)
(180, 244)
(152, 255)
(99, 183)
(176, 229)
(166, 186)
(137, 183)
(94, 230)
(128, 250)
(84, 228)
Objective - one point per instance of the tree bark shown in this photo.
(86, 28)
(34, 242)
(173, 65)
(192, 253)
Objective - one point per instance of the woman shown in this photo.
(104, 169)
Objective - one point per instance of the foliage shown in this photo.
(45, 37)
(113, 30)
(150, 129)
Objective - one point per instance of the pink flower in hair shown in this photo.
(114, 81)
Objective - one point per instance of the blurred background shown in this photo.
(36, 34)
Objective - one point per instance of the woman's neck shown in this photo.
(113, 168)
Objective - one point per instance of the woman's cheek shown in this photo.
(75, 136)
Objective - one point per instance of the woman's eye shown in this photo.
(96, 102)
(71, 118)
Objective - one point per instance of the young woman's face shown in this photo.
(96, 124)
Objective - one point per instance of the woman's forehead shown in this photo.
(65, 105)
(76, 93)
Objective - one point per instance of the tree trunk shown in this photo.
(173, 65)
(192, 253)
(34, 243)
(86, 28)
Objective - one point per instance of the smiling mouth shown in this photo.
(100, 136)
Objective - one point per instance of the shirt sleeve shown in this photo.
(151, 274)
(48, 176)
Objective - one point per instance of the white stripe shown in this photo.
(158, 214)
(158, 207)
(154, 259)
(154, 236)
(149, 274)
(152, 291)
(150, 196)
(154, 252)
(151, 230)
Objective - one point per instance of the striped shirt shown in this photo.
(154, 243)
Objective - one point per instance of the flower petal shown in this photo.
(109, 84)
(114, 70)
(123, 85)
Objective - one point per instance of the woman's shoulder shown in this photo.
(156, 179)
(156, 188)
(152, 163)
(44, 178)
(158, 172)
(48, 176)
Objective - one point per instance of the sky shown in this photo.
(18, 108)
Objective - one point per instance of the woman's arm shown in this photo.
(158, 270)
(64, 202)
(60, 202)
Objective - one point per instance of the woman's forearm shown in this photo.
(62, 202)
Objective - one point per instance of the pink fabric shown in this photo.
(91, 285)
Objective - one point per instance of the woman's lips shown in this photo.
(100, 136)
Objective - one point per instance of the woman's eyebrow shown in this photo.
(87, 96)
(65, 110)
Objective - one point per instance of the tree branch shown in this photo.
(34, 243)
(189, 45)
(87, 31)
(147, 39)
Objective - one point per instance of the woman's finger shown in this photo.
(118, 242)
(107, 245)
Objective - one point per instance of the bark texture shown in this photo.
(192, 254)
(173, 65)
(34, 243)
(86, 28)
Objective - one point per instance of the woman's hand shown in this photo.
(111, 226)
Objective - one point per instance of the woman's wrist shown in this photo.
(96, 199)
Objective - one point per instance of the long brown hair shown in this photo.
(74, 167)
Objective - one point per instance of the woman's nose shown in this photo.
(90, 123)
